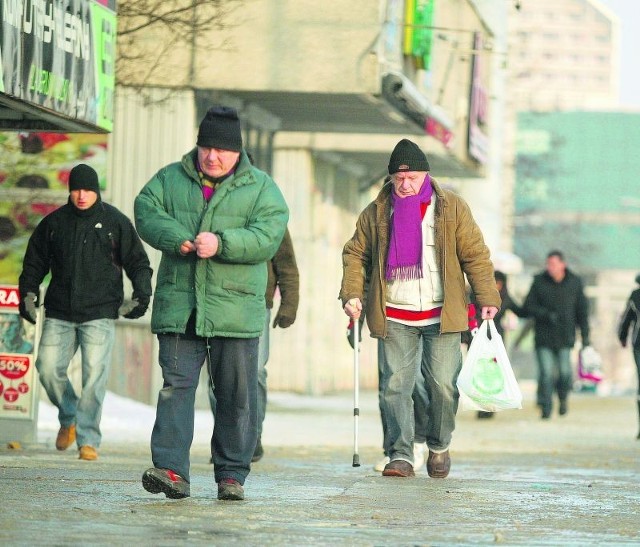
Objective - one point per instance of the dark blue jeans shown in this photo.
(554, 374)
(233, 368)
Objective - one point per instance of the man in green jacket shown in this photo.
(412, 247)
(218, 220)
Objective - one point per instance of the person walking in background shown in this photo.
(631, 321)
(558, 305)
(283, 277)
(218, 220)
(85, 245)
(412, 247)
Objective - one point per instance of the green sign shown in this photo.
(419, 33)
(104, 55)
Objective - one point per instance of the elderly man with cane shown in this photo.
(412, 247)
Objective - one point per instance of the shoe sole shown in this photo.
(231, 495)
(155, 485)
(396, 473)
(438, 474)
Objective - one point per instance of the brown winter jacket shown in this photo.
(460, 249)
(283, 274)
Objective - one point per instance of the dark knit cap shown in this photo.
(220, 128)
(638, 279)
(83, 177)
(407, 156)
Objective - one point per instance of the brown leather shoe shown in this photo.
(88, 453)
(438, 465)
(398, 468)
(66, 437)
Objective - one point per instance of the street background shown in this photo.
(515, 480)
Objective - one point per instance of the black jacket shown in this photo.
(558, 308)
(85, 251)
(631, 316)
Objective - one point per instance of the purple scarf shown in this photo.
(404, 260)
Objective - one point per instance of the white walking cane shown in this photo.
(356, 387)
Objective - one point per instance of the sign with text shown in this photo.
(60, 55)
(17, 361)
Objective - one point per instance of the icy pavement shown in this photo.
(515, 480)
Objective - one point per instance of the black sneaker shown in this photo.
(230, 489)
(258, 452)
(156, 480)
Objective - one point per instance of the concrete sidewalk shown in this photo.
(515, 480)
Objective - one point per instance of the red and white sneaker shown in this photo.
(156, 480)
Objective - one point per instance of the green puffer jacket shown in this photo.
(249, 215)
(460, 251)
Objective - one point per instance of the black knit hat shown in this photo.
(83, 177)
(407, 156)
(220, 128)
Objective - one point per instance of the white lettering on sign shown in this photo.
(49, 22)
(13, 367)
(9, 297)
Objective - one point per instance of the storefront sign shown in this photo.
(60, 55)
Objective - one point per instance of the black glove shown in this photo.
(350, 337)
(283, 319)
(132, 309)
(28, 307)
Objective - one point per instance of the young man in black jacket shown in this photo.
(557, 303)
(85, 244)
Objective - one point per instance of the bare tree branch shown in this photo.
(149, 31)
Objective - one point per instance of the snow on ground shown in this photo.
(127, 420)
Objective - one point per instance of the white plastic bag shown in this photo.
(486, 381)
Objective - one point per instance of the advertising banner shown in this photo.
(34, 177)
(17, 361)
(60, 55)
